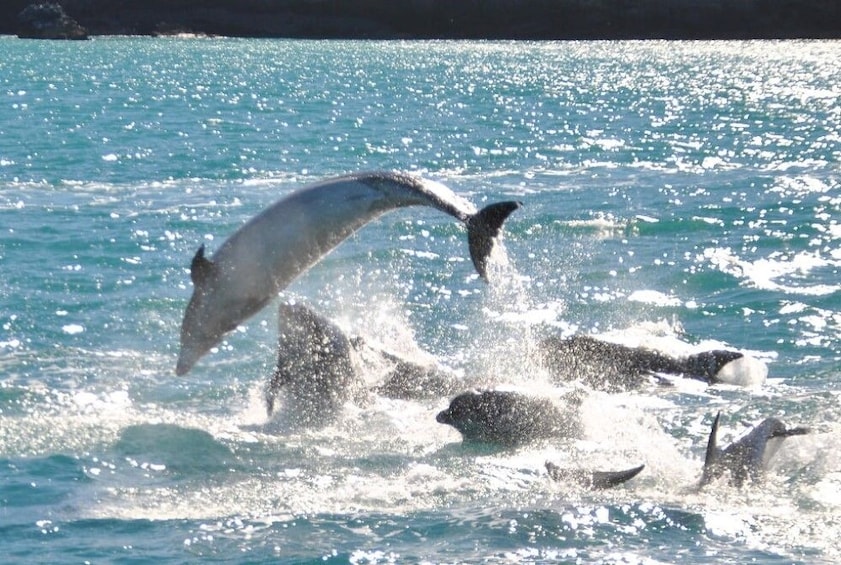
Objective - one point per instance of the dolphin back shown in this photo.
(482, 228)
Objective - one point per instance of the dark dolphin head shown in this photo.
(505, 417)
(467, 412)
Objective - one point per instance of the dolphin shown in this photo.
(746, 458)
(274, 247)
(407, 380)
(319, 367)
(506, 418)
(592, 479)
(614, 367)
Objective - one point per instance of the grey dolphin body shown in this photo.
(408, 380)
(615, 367)
(316, 367)
(507, 418)
(319, 368)
(284, 240)
(746, 458)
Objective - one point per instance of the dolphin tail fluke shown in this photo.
(608, 479)
(592, 479)
(711, 456)
(482, 228)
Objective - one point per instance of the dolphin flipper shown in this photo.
(607, 479)
(482, 228)
(593, 479)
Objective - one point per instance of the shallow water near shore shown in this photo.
(678, 195)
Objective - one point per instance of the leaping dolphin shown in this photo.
(269, 251)
(746, 458)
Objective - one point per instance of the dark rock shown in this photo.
(48, 21)
(465, 19)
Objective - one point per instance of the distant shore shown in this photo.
(454, 19)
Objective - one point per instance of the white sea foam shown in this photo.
(762, 273)
(654, 297)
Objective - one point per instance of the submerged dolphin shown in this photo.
(614, 367)
(748, 457)
(408, 380)
(284, 240)
(507, 418)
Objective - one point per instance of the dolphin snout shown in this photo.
(194, 344)
(186, 359)
(182, 367)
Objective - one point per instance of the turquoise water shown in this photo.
(679, 195)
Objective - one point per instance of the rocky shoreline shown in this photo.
(445, 19)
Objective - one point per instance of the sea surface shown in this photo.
(677, 195)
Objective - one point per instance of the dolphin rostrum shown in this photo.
(270, 250)
(747, 457)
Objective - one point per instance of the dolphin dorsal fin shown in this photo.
(200, 267)
(711, 456)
